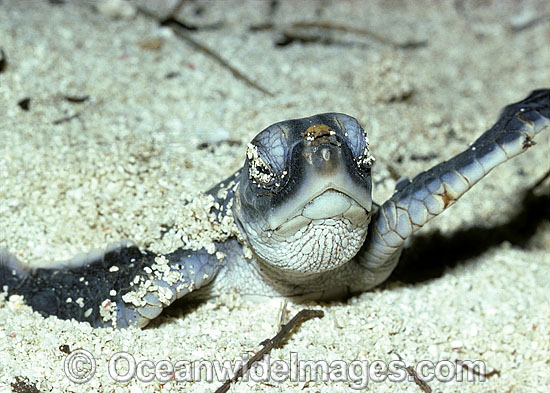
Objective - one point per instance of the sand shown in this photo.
(161, 121)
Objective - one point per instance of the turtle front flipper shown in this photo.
(431, 192)
(120, 287)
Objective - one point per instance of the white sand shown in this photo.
(127, 163)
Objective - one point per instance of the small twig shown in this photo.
(188, 26)
(76, 99)
(539, 182)
(292, 35)
(271, 343)
(209, 52)
(282, 314)
(261, 27)
(417, 380)
(176, 8)
(355, 30)
(65, 119)
(476, 372)
(179, 28)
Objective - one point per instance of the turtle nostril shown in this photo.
(326, 154)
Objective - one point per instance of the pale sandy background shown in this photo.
(128, 161)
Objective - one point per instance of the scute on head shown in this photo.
(304, 200)
(317, 131)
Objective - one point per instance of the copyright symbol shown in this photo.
(79, 366)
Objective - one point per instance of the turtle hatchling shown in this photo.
(307, 225)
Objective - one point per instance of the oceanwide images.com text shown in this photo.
(81, 366)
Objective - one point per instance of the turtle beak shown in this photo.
(327, 189)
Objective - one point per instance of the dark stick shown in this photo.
(417, 380)
(355, 30)
(539, 182)
(178, 28)
(65, 119)
(476, 372)
(76, 99)
(271, 343)
(207, 51)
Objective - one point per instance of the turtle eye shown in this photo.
(258, 171)
(357, 140)
(365, 160)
